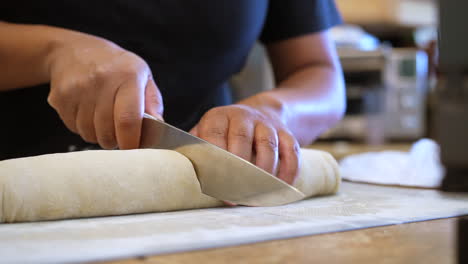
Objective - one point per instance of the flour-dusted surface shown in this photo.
(356, 206)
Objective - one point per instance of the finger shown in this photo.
(214, 128)
(128, 114)
(266, 146)
(229, 204)
(68, 114)
(194, 131)
(153, 99)
(85, 121)
(65, 106)
(289, 156)
(104, 120)
(240, 138)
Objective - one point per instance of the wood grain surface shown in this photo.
(340, 150)
(422, 242)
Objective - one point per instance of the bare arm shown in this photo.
(99, 89)
(310, 96)
(24, 53)
(268, 127)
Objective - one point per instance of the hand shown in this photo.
(254, 135)
(101, 91)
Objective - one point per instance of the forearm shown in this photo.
(309, 101)
(25, 53)
(23, 49)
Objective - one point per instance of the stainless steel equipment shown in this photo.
(386, 94)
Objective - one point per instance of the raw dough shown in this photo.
(100, 183)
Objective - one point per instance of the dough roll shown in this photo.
(118, 182)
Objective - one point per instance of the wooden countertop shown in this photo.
(421, 242)
(399, 13)
(340, 150)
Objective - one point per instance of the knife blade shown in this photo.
(221, 174)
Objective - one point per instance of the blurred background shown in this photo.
(388, 50)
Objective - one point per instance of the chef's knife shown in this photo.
(221, 174)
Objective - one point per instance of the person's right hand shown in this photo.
(101, 91)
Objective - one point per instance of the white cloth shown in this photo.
(420, 167)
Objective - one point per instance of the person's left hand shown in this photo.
(254, 135)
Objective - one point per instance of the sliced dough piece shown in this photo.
(118, 182)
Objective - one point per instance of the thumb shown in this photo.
(153, 100)
(194, 131)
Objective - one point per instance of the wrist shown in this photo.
(65, 43)
(269, 104)
(56, 40)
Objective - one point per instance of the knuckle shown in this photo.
(288, 139)
(100, 73)
(294, 151)
(216, 131)
(128, 73)
(106, 136)
(94, 73)
(104, 73)
(214, 112)
(156, 99)
(84, 84)
(52, 101)
(62, 94)
(66, 108)
(244, 111)
(86, 131)
(88, 137)
(107, 140)
(241, 133)
(293, 146)
(296, 148)
(127, 119)
(285, 133)
(57, 97)
(268, 142)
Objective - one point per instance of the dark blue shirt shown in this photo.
(192, 47)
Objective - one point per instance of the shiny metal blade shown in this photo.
(221, 174)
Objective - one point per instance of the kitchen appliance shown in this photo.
(386, 95)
